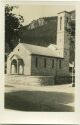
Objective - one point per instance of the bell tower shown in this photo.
(62, 34)
(63, 41)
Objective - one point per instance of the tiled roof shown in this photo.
(39, 50)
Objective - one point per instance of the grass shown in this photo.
(59, 98)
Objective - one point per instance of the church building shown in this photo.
(53, 60)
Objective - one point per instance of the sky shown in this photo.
(32, 11)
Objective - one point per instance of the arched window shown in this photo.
(20, 66)
(67, 20)
(60, 23)
(14, 62)
(53, 63)
(44, 63)
(14, 66)
(60, 64)
(36, 63)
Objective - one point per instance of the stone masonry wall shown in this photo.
(40, 69)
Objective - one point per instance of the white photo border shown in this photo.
(17, 117)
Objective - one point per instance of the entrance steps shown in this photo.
(29, 80)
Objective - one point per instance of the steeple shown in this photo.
(62, 35)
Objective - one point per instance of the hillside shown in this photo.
(42, 33)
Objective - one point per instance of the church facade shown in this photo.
(32, 60)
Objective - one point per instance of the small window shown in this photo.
(60, 64)
(36, 62)
(67, 20)
(45, 63)
(53, 63)
(18, 49)
(70, 69)
(60, 23)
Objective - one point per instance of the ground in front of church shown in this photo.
(56, 98)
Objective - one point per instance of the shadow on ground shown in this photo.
(39, 101)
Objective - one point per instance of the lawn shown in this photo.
(57, 98)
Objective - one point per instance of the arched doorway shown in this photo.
(14, 66)
(20, 66)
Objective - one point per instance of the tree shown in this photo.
(71, 31)
(13, 24)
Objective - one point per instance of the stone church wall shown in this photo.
(63, 42)
(41, 69)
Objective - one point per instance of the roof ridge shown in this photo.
(40, 50)
(34, 45)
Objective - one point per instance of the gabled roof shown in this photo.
(17, 56)
(39, 50)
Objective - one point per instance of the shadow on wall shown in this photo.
(39, 101)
